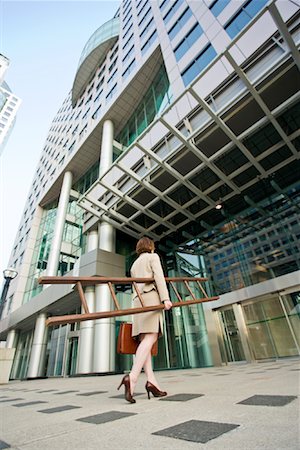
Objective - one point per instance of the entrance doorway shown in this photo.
(233, 349)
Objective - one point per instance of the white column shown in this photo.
(92, 240)
(38, 347)
(11, 339)
(59, 224)
(104, 340)
(86, 337)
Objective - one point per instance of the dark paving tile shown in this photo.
(192, 374)
(259, 371)
(58, 409)
(64, 392)
(268, 400)
(273, 368)
(181, 397)
(4, 445)
(105, 417)
(11, 400)
(47, 390)
(20, 405)
(221, 374)
(197, 430)
(3, 396)
(293, 370)
(87, 394)
(122, 395)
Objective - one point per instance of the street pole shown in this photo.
(4, 294)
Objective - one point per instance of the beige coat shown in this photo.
(148, 265)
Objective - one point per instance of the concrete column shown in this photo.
(53, 260)
(92, 240)
(241, 324)
(104, 340)
(38, 348)
(86, 337)
(11, 339)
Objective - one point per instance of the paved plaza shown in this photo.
(242, 407)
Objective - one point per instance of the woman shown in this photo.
(147, 327)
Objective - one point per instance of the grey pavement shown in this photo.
(242, 406)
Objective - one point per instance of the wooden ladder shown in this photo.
(187, 285)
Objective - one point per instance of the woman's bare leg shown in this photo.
(149, 371)
(143, 352)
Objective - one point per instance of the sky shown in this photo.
(43, 41)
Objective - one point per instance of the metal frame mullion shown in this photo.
(194, 149)
(284, 32)
(156, 192)
(260, 101)
(103, 217)
(133, 203)
(227, 131)
(182, 180)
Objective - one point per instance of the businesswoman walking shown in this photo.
(147, 327)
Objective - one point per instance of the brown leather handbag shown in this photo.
(126, 344)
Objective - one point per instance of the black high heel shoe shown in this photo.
(154, 390)
(126, 382)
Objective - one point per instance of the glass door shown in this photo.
(231, 337)
(71, 359)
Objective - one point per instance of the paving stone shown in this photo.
(87, 394)
(11, 400)
(181, 397)
(105, 417)
(259, 371)
(4, 445)
(122, 395)
(20, 405)
(47, 390)
(58, 409)
(268, 400)
(197, 430)
(65, 392)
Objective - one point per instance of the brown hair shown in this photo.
(144, 245)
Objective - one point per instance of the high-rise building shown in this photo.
(9, 105)
(182, 124)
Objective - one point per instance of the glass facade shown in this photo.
(73, 239)
(244, 16)
(273, 327)
(154, 101)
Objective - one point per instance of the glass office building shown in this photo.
(182, 124)
(9, 105)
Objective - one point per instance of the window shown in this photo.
(127, 32)
(145, 17)
(128, 54)
(243, 17)
(111, 92)
(218, 6)
(96, 113)
(149, 42)
(188, 41)
(179, 23)
(85, 114)
(172, 10)
(199, 63)
(146, 28)
(129, 69)
(112, 77)
(112, 65)
(128, 41)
